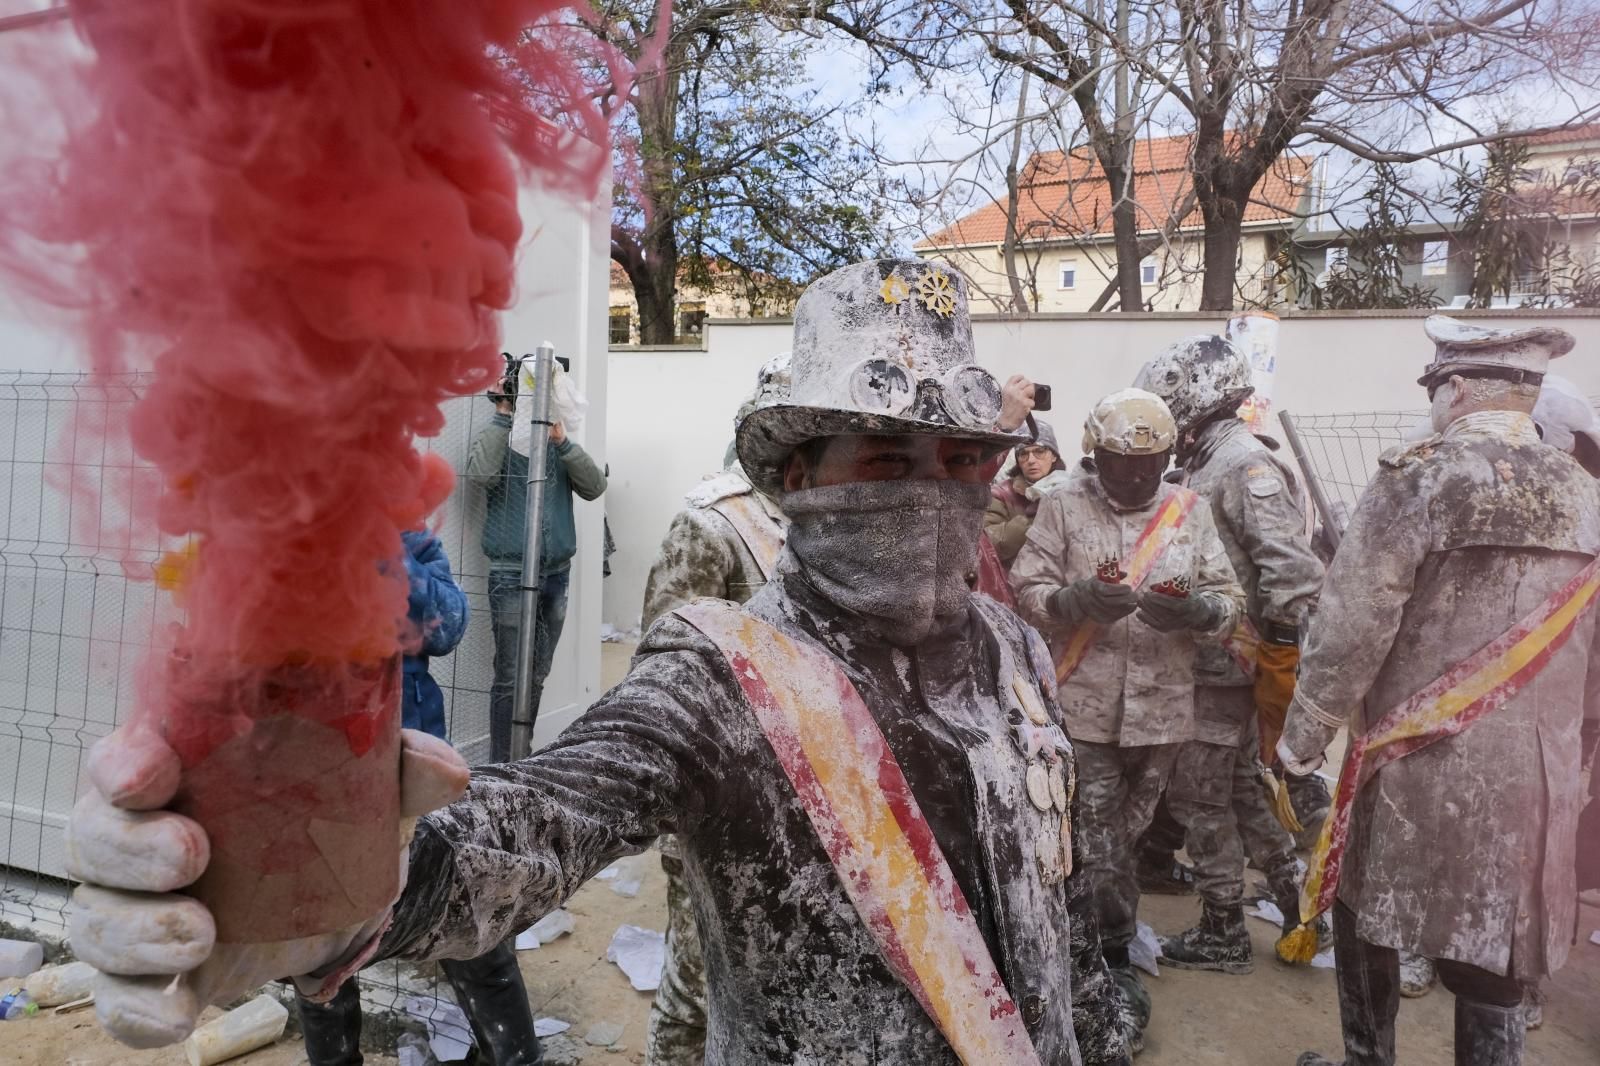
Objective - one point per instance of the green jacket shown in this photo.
(503, 474)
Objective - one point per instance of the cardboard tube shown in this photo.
(295, 774)
(238, 1032)
(55, 985)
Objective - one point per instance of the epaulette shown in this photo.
(717, 487)
(1414, 452)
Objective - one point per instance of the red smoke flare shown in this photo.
(302, 216)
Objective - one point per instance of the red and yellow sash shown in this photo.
(873, 830)
(1472, 688)
(1153, 542)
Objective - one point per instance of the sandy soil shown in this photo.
(1263, 1019)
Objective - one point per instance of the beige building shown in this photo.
(1066, 257)
(694, 308)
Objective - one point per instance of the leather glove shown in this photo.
(155, 948)
(1274, 688)
(1169, 614)
(1092, 600)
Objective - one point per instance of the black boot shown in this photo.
(1369, 996)
(1487, 1035)
(333, 1030)
(1220, 942)
(489, 989)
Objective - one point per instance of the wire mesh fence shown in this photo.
(1340, 453)
(79, 610)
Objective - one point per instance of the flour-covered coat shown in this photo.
(706, 550)
(793, 974)
(1464, 849)
(1256, 504)
(1135, 684)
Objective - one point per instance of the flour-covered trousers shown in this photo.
(1117, 792)
(677, 1034)
(1216, 795)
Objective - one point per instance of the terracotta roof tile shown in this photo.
(1590, 132)
(1067, 195)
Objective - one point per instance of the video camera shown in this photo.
(506, 388)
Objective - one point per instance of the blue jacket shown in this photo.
(439, 609)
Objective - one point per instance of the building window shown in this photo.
(1147, 272)
(621, 331)
(1436, 258)
(691, 320)
(1069, 274)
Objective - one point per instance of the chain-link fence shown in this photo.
(77, 614)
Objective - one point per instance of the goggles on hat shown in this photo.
(964, 396)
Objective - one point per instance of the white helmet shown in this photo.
(1562, 412)
(1130, 422)
(1197, 376)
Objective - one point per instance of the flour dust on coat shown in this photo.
(1464, 849)
(793, 973)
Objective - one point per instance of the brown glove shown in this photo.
(1275, 669)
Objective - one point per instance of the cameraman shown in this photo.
(502, 472)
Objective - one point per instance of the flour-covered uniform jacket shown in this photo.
(793, 974)
(1464, 849)
(1256, 504)
(1135, 684)
(706, 551)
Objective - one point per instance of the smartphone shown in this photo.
(1041, 397)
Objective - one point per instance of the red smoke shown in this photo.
(303, 217)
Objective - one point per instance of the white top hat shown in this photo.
(1508, 353)
(880, 347)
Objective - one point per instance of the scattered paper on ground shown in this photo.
(1145, 949)
(1594, 937)
(626, 876)
(1323, 960)
(449, 1035)
(543, 1027)
(640, 953)
(1267, 910)
(556, 923)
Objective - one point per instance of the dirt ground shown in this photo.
(1264, 1019)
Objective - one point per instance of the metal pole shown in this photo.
(1319, 495)
(524, 711)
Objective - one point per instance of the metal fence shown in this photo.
(1339, 454)
(78, 613)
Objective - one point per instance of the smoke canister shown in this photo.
(294, 772)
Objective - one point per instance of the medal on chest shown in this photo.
(1049, 781)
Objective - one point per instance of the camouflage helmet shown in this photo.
(1197, 377)
(1130, 422)
(772, 386)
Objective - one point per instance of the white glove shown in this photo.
(156, 950)
(1294, 765)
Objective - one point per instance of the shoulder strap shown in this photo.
(881, 846)
(755, 527)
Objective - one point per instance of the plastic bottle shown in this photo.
(17, 1005)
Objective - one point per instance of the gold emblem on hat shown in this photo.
(894, 290)
(938, 294)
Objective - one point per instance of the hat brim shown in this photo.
(769, 435)
(1440, 371)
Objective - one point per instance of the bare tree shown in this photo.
(1376, 78)
(729, 175)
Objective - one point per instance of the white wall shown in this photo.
(671, 411)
